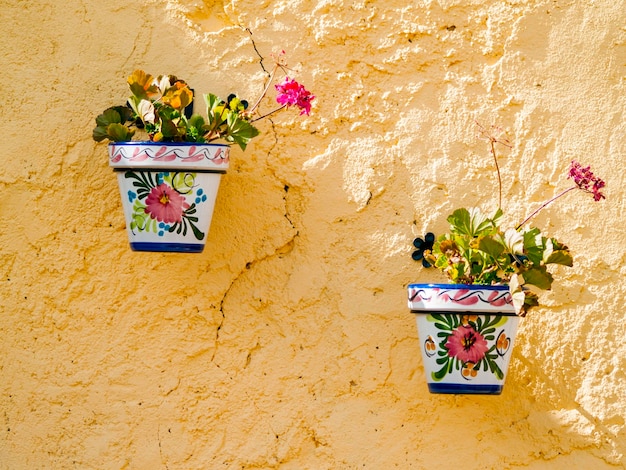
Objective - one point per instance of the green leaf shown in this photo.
(100, 133)
(491, 246)
(119, 132)
(530, 300)
(460, 222)
(109, 125)
(240, 130)
(196, 121)
(125, 113)
(533, 245)
(212, 100)
(195, 130)
(215, 110)
(560, 257)
(514, 241)
(168, 129)
(557, 253)
(538, 276)
(497, 217)
(109, 116)
(472, 222)
(167, 112)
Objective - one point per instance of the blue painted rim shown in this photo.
(167, 247)
(461, 311)
(172, 169)
(465, 389)
(156, 144)
(458, 286)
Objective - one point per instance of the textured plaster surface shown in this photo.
(287, 344)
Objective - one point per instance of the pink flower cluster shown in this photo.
(585, 180)
(291, 93)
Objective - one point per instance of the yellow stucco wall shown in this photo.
(287, 344)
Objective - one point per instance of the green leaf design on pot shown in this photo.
(464, 344)
(161, 205)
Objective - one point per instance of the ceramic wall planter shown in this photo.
(168, 192)
(466, 333)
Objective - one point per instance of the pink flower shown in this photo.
(165, 205)
(466, 344)
(291, 93)
(585, 180)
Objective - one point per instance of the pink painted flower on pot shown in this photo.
(466, 344)
(165, 204)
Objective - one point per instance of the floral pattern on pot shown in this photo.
(165, 202)
(153, 154)
(459, 296)
(168, 192)
(466, 352)
(467, 334)
(467, 344)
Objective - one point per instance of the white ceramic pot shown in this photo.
(168, 192)
(466, 334)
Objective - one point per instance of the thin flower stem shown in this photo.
(493, 140)
(267, 87)
(495, 159)
(535, 212)
(271, 112)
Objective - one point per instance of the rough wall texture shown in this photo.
(287, 343)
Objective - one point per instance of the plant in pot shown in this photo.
(467, 328)
(169, 161)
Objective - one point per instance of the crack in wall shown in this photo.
(283, 249)
(261, 58)
(278, 251)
